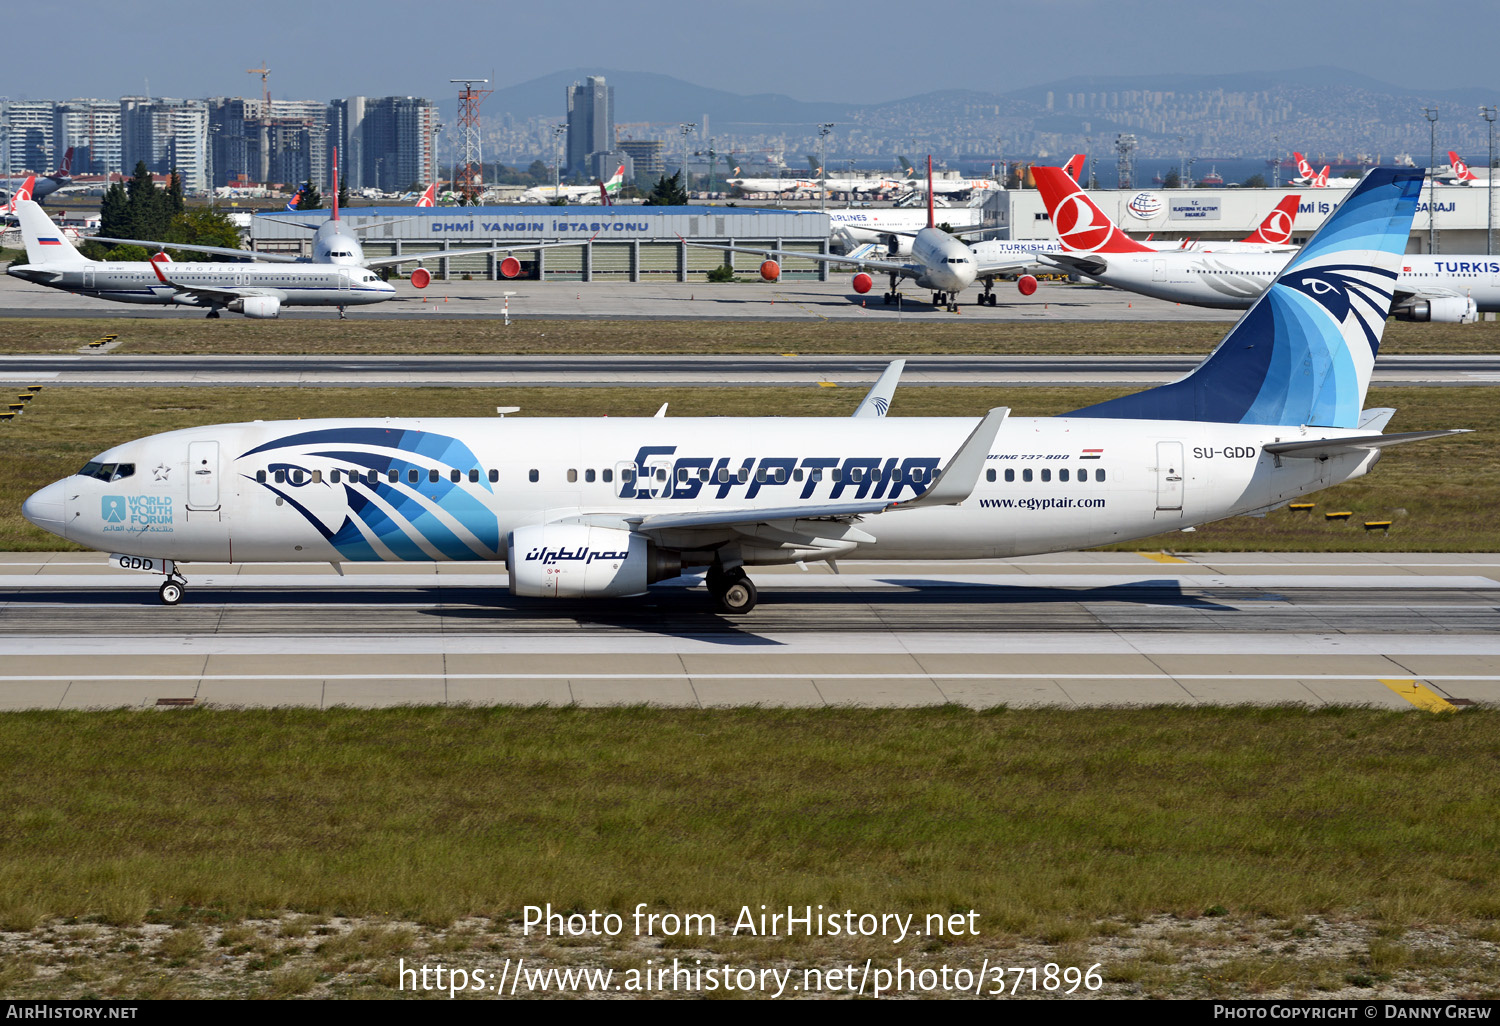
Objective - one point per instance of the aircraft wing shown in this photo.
(888, 266)
(1017, 262)
(417, 258)
(210, 294)
(1323, 448)
(280, 258)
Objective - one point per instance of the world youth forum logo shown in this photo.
(112, 508)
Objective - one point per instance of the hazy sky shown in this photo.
(854, 50)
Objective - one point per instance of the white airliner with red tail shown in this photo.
(600, 508)
(1458, 172)
(1450, 288)
(939, 261)
(334, 242)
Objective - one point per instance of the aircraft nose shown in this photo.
(47, 508)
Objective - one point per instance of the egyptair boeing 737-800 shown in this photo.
(1429, 287)
(601, 508)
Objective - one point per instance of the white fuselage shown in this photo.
(136, 282)
(875, 225)
(1233, 281)
(454, 489)
(943, 263)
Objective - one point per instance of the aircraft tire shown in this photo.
(171, 593)
(739, 596)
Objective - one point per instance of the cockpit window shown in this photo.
(107, 471)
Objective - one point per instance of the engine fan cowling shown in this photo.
(770, 270)
(510, 267)
(421, 278)
(863, 283)
(1026, 284)
(1440, 309)
(577, 561)
(257, 306)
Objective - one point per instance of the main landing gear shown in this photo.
(734, 592)
(213, 315)
(987, 297)
(942, 298)
(892, 297)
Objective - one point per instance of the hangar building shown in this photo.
(618, 243)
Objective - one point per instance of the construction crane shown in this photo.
(265, 86)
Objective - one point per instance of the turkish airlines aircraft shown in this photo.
(40, 187)
(602, 507)
(939, 261)
(251, 288)
(1459, 173)
(1446, 288)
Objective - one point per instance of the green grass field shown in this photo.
(885, 336)
(1440, 495)
(1063, 829)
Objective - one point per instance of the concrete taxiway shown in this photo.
(749, 301)
(1401, 631)
(114, 370)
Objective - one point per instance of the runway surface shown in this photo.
(1403, 631)
(656, 300)
(113, 370)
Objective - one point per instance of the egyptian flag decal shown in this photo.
(1092, 454)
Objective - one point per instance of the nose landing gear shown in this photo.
(172, 589)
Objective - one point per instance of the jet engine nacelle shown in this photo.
(510, 267)
(577, 561)
(421, 278)
(1441, 309)
(770, 270)
(257, 306)
(863, 283)
(1026, 284)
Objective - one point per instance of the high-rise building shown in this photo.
(591, 122)
(92, 129)
(29, 136)
(395, 137)
(235, 129)
(346, 124)
(647, 156)
(169, 135)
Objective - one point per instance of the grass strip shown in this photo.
(1028, 816)
(1439, 496)
(890, 337)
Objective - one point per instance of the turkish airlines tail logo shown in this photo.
(1074, 167)
(1460, 169)
(23, 193)
(1304, 169)
(1276, 229)
(1321, 182)
(1082, 226)
(429, 198)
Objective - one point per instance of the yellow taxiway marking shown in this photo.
(1420, 695)
(1161, 557)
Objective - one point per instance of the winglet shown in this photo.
(959, 478)
(156, 266)
(878, 399)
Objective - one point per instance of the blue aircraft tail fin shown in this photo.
(1304, 352)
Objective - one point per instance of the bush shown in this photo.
(722, 274)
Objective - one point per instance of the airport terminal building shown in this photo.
(616, 243)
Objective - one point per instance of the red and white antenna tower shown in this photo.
(470, 174)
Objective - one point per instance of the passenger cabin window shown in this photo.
(918, 474)
(1046, 474)
(608, 476)
(1083, 474)
(1062, 475)
(494, 476)
(413, 476)
(534, 476)
(1099, 475)
(281, 477)
(317, 477)
(588, 476)
(1010, 474)
(572, 476)
(393, 475)
(723, 475)
(1026, 474)
(260, 477)
(473, 477)
(989, 475)
(455, 475)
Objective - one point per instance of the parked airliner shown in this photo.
(601, 508)
(39, 187)
(939, 261)
(1442, 287)
(251, 288)
(334, 242)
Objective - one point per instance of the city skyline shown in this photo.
(794, 50)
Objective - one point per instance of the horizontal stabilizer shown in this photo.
(1323, 448)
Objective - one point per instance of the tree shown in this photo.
(204, 228)
(174, 203)
(667, 192)
(1255, 181)
(311, 199)
(343, 191)
(1172, 180)
(538, 171)
(138, 210)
